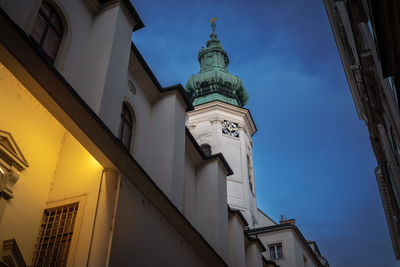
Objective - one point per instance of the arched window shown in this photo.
(206, 149)
(126, 126)
(48, 30)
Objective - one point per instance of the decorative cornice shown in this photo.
(10, 153)
(11, 161)
(241, 112)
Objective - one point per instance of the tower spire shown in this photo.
(213, 81)
(213, 26)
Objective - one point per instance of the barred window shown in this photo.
(55, 235)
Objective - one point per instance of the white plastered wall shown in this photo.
(263, 220)
(236, 244)
(60, 171)
(206, 126)
(253, 255)
(192, 161)
(292, 247)
(211, 218)
(166, 146)
(94, 59)
(143, 237)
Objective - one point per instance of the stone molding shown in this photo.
(12, 161)
(219, 108)
(11, 254)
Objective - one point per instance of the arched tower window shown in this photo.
(48, 30)
(206, 149)
(127, 125)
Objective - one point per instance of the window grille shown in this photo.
(55, 235)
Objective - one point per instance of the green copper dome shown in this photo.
(214, 82)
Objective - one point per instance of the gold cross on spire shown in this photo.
(213, 25)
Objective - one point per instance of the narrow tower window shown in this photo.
(250, 174)
(206, 149)
(48, 30)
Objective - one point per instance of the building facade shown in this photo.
(367, 35)
(97, 166)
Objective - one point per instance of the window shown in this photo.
(206, 149)
(127, 125)
(48, 30)
(55, 235)
(275, 251)
(304, 260)
(396, 148)
(250, 174)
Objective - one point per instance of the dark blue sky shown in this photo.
(312, 156)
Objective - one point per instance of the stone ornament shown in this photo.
(12, 161)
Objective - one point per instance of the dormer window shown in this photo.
(48, 30)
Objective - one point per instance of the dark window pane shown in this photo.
(126, 126)
(47, 30)
(45, 9)
(280, 256)
(206, 149)
(51, 43)
(126, 136)
(128, 117)
(38, 29)
(56, 23)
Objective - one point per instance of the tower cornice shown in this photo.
(216, 116)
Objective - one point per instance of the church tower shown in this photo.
(221, 124)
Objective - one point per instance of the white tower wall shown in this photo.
(205, 124)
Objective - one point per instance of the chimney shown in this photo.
(287, 221)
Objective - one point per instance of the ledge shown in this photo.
(219, 156)
(239, 213)
(177, 87)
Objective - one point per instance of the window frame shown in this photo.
(49, 24)
(127, 109)
(276, 253)
(251, 175)
(77, 225)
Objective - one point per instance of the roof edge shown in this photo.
(178, 87)
(269, 261)
(219, 156)
(266, 215)
(282, 227)
(239, 213)
(255, 239)
(139, 23)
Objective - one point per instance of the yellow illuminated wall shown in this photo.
(59, 169)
